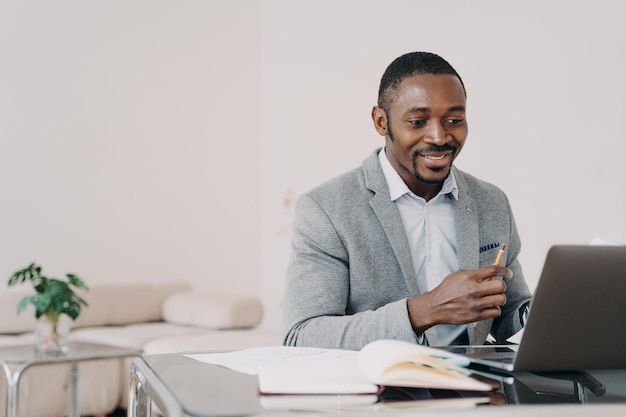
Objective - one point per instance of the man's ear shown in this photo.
(380, 120)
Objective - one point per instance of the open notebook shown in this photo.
(576, 319)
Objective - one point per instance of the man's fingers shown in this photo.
(488, 287)
(490, 313)
(494, 271)
(493, 301)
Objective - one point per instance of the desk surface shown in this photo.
(201, 389)
(77, 351)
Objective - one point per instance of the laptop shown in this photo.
(576, 319)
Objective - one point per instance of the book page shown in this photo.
(322, 375)
(398, 363)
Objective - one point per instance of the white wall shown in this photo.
(160, 140)
(129, 141)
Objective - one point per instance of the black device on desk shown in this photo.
(576, 318)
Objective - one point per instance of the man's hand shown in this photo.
(462, 297)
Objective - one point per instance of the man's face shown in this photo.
(425, 129)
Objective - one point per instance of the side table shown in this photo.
(16, 359)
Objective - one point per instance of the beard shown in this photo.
(428, 149)
(432, 149)
(421, 178)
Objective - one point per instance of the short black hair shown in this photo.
(408, 65)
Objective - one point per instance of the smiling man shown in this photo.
(403, 247)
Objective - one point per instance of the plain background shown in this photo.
(167, 140)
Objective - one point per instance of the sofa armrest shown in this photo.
(212, 312)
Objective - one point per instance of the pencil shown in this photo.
(500, 252)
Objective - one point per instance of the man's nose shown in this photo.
(436, 134)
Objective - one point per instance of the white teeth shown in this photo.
(434, 157)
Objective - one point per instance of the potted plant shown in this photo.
(54, 299)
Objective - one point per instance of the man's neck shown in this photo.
(425, 190)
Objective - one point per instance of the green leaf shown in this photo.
(41, 287)
(77, 282)
(80, 300)
(72, 309)
(24, 303)
(31, 273)
(42, 303)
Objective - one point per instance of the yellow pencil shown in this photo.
(500, 252)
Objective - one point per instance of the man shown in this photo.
(403, 247)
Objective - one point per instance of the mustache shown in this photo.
(434, 149)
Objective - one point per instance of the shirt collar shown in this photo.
(397, 186)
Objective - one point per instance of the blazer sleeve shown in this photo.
(317, 290)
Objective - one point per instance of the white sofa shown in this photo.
(157, 318)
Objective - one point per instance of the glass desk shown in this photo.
(180, 386)
(16, 359)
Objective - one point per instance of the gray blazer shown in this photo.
(351, 272)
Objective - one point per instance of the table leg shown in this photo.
(11, 406)
(73, 397)
(13, 382)
(139, 403)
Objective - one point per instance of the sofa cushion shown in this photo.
(118, 305)
(212, 312)
(133, 335)
(17, 339)
(214, 341)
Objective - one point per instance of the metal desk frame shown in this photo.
(25, 356)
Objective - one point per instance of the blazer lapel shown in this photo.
(467, 237)
(467, 240)
(389, 218)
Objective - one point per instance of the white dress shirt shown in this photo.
(430, 229)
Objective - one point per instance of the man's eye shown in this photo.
(417, 122)
(455, 121)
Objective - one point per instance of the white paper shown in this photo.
(248, 360)
(598, 241)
